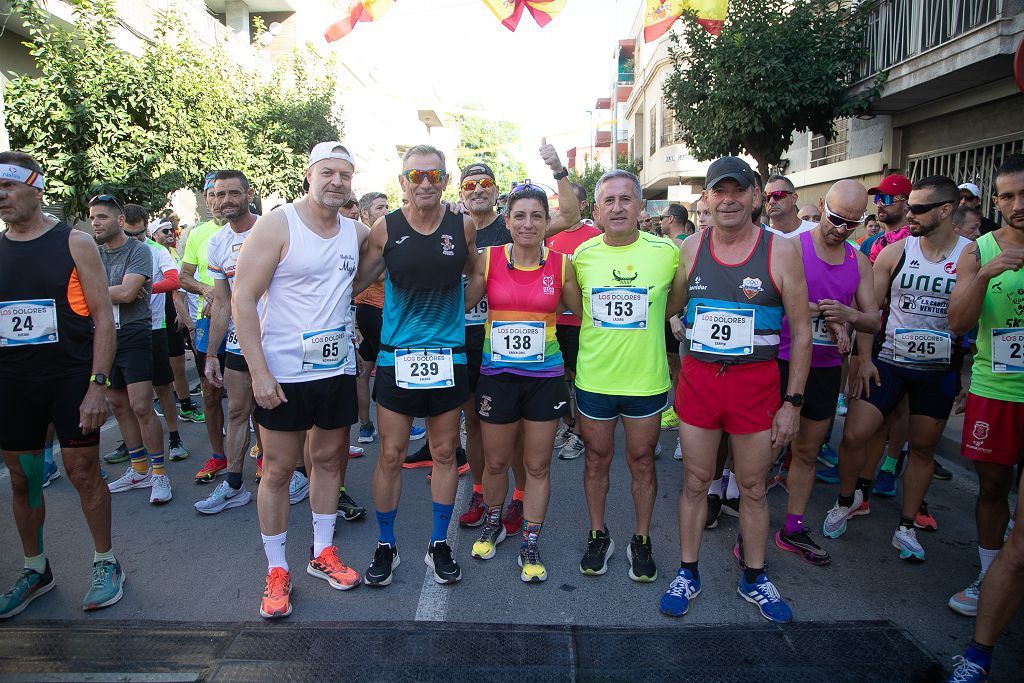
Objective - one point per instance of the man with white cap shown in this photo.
(970, 196)
(299, 263)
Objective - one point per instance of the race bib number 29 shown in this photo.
(726, 332)
(28, 322)
(424, 369)
(1008, 349)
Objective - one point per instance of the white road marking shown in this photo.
(433, 604)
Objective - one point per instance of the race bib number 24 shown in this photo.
(28, 322)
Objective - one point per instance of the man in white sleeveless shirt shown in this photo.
(300, 262)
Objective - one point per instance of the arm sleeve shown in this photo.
(169, 283)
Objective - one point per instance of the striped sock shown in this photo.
(140, 463)
(156, 460)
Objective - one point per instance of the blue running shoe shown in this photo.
(29, 586)
(416, 432)
(828, 456)
(367, 432)
(765, 595)
(905, 540)
(885, 485)
(107, 586)
(829, 475)
(966, 671)
(50, 473)
(676, 600)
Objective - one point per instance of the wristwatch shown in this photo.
(101, 379)
(796, 399)
(564, 173)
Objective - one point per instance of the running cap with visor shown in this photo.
(330, 150)
(970, 187)
(477, 168)
(894, 184)
(730, 167)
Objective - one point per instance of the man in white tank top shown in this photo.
(299, 263)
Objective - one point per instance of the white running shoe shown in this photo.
(355, 451)
(298, 488)
(131, 480)
(222, 498)
(572, 449)
(905, 540)
(161, 489)
(966, 601)
(835, 520)
(678, 455)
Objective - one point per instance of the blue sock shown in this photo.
(442, 516)
(386, 523)
(979, 657)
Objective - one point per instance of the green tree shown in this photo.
(592, 172)
(778, 66)
(490, 142)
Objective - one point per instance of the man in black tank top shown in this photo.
(56, 349)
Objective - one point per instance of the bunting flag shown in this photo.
(509, 12)
(352, 13)
(661, 14)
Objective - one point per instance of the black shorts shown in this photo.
(328, 403)
(505, 398)
(821, 393)
(671, 343)
(474, 355)
(162, 373)
(201, 362)
(930, 392)
(568, 337)
(369, 320)
(28, 407)
(133, 361)
(419, 402)
(235, 361)
(175, 341)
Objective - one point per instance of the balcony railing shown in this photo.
(901, 29)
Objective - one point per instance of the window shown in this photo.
(654, 130)
(671, 131)
(830, 150)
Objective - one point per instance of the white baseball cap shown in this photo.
(330, 150)
(158, 223)
(972, 188)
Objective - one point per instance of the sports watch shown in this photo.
(796, 399)
(101, 379)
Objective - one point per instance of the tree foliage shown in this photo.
(490, 141)
(778, 66)
(141, 127)
(592, 172)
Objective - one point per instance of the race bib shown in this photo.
(1008, 349)
(28, 322)
(117, 316)
(819, 333)
(727, 332)
(325, 349)
(517, 342)
(619, 308)
(478, 314)
(424, 369)
(921, 346)
(232, 342)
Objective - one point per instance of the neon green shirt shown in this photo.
(1001, 327)
(196, 254)
(625, 290)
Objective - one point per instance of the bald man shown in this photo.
(810, 213)
(841, 293)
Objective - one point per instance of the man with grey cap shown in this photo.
(970, 196)
(300, 263)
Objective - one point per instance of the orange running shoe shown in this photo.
(327, 566)
(212, 468)
(275, 604)
(259, 468)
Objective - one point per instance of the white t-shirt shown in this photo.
(805, 226)
(162, 262)
(222, 256)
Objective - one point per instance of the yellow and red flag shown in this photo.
(509, 12)
(661, 14)
(354, 11)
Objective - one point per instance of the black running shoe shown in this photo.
(941, 472)
(714, 510)
(196, 390)
(802, 545)
(641, 560)
(347, 508)
(439, 558)
(381, 571)
(461, 461)
(420, 458)
(600, 547)
(731, 506)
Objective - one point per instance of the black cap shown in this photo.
(730, 167)
(477, 168)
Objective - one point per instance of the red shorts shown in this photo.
(993, 430)
(738, 399)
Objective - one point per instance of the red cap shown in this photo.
(893, 184)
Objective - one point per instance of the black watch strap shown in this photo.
(563, 174)
(796, 399)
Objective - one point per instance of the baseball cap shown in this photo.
(158, 223)
(972, 188)
(330, 150)
(893, 184)
(730, 167)
(477, 168)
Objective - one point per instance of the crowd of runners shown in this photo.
(535, 331)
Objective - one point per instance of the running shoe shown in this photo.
(966, 671)
(802, 545)
(420, 458)
(461, 461)
(156, 407)
(829, 475)
(416, 432)
(490, 536)
(941, 472)
(355, 451)
(367, 433)
(731, 507)
(737, 554)
(669, 419)
(562, 436)
(676, 600)
(118, 455)
(512, 519)
(347, 508)
(924, 519)
(439, 558)
(106, 587)
(275, 603)
(330, 568)
(222, 498)
(862, 510)
(678, 453)
(905, 540)
(966, 601)
(885, 485)
(51, 473)
(176, 451)
(161, 490)
(828, 456)
(196, 390)
(475, 511)
(211, 470)
(131, 480)
(765, 595)
(254, 452)
(1009, 529)
(841, 407)
(600, 548)
(714, 510)
(191, 414)
(573, 448)
(834, 525)
(382, 569)
(901, 461)
(657, 449)
(298, 488)
(533, 568)
(252, 427)
(259, 468)
(641, 560)
(27, 587)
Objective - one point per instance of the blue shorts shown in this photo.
(609, 407)
(931, 393)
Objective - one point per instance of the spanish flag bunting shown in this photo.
(661, 14)
(509, 12)
(354, 11)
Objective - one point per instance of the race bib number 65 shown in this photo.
(28, 322)
(619, 308)
(325, 349)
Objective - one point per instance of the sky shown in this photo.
(545, 80)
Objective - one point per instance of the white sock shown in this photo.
(732, 491)
(273, 546)
(986, 556)
(716, 488)
(323, 532)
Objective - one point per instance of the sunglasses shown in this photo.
(471, 185)
(415, 176)
(777, 195)
(888, 199)
(918, 209)
(842, 222)
(520, 187)
(106, 198)
(166, 231)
